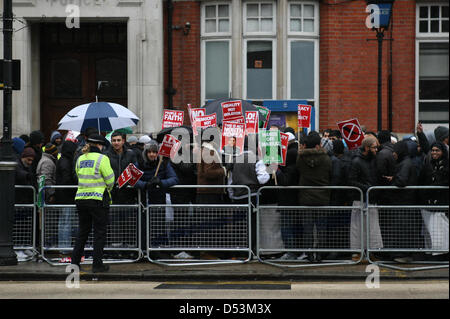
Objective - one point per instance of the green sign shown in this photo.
(270, 144)
(41, 184)
(265, 112)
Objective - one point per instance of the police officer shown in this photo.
(95, 181)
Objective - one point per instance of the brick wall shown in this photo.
(349, 66)
(186, 55)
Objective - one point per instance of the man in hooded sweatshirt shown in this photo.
(314, 167)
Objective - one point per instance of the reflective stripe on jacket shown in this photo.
(94, 175)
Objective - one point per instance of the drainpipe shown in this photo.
(170, 91)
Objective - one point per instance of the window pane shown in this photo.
(252, 10)
(224, 25)
(252, 25)
(113, 76)
(433, 112)
(423, 12)
(210, 26)
(296, 10)
(216, 69)
(423, 26)
(266, 10)
(445, 26)
(66, 78)
(296, 25)
(308, 11)
(210, 11)
(435, 12)
(266, 25)
(433, 71)
(445, 11)
(223, 11)
(302, 70)
(259, 70)
(308, 25)
(434, 25)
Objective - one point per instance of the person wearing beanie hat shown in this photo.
(36, 138)
(24, 176)
(47, 168)
(36, 142)
(56, 138)
(144, 139)
(441, 134)
(18, 146)
(132, 140)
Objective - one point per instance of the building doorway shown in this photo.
(78, 65)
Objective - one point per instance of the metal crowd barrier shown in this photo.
(222, 228)
(60, 227)
(24, 229)
(309, 229)
(414, 231)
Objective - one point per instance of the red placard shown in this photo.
(351, 132)
(172, 118)
(136, 174)
(233, 135)
(284, 146)
(251, 122)
(72, 136)
(304, 116)
(231, 109)
(124, 177)
(194, 112)
(169, 146)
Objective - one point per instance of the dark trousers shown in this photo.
(91, 215)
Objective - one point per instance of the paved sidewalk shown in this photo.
(253, 270)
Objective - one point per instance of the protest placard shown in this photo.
(124, 177)
(265, 112)
(233, 135)
(270, 145)
(194, 112)
(351, 132)
(172, 118)
(204, 122)
(251, 122)
(284, 146)
(169, 146)
(136, 174)
(231, 109)
(304, 116)
(72, 136)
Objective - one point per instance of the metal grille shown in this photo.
(122, 231)
(303, 229)
(199, 227)
(413, 229)
(23, 230)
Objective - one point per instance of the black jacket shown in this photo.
(405, 175)
(187, 175)
(385, 167)
(118, 163)
(363, 173)
(435, 173)
(23, 177)
(65, 174)
(288, 176)
(314, 167)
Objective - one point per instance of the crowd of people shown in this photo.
(313, 159)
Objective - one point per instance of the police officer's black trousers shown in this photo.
(91, 215)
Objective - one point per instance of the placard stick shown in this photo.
(274, 175)
(159, 164)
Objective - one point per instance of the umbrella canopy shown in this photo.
(168, 130)
(216, 107)
(103, 115)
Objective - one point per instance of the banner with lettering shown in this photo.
(251, 122)
(204, 122)
(233, 135)
(304, 116)
(231, 109)
(265, 112)
(172, 118)
(169, 146)
(284, 146)
(270, 146)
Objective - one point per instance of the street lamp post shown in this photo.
(7, 162)
(378, 20)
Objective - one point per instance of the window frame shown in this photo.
(274, 68)
(316, 19)
(274, 18)
(203, 65)
(417, 75)
(203, 19)
(439, 34)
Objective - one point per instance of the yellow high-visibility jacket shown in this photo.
(94, 175)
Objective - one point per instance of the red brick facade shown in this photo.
(348, 63)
